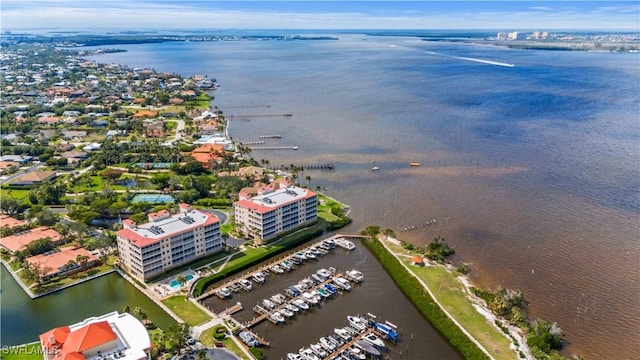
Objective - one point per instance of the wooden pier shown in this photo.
(231, 310)
(273, 136)
(349, 343)
(252, 143)
(275, 148)
(260, 115)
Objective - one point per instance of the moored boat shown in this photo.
(357, 322)
(386, 330)
(258, 277)
(301, 304)
(354, 275)
(343, 333)
(248, 338)
(367, 347)
(246, 284)
(342, 283)
(373, 340)
(277, 317)
(223, 292)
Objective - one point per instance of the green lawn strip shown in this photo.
(451, 294)
(327, 215)
(186, 310)
(18, 194)
(31, 351)
(56, 283)
(421, 299)
(206, 338)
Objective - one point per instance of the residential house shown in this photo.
(17, 242)
(154, 129)
(207, 154)
(73, 134)
(10, 222)
(33, 178)
(21, 159)
(8, 167)
(106, 337)
(63, 262)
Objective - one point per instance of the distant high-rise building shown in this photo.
(501, 36)
(516, 36)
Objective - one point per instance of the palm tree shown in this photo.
(182, 280)
(308, 178)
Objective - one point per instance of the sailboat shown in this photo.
(375, 168)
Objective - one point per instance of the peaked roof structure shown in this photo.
(88, 337)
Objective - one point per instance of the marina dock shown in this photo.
(275, 148)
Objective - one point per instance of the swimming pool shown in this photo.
(175, 284)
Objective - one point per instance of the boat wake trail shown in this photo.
(482, 61)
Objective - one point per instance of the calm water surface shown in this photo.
(531, 171)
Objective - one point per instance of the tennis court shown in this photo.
(152, 198)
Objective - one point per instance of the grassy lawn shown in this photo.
(226, 228)
(206, 338)
(186, 310)
(170, 125)
(69, 280)
(31, 351)
(450, 293)
(19, 194)
(327, 215)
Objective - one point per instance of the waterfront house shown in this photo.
(63, 262)
(10, 222)
(8, 166)
(207, 154)
(274, 209)
(17, 242)
(33, 178)
(106, 337)
(167, 241)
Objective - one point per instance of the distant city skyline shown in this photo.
(168, 15)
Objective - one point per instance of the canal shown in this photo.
(377, 295)
(23, 319)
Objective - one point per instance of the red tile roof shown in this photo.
(55, 337)
(18, 241)
(6, 220)
(58, 260)
(88, 337)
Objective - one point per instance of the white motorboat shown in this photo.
(357, 323)
(317, 278)
(357, 353)
(278, 299)
(354, 275)
(248, 338)
(276, 269)
(287, 265)
(294, 356)
(345, 244)
(301, 304)
(318, 350)
(268, 303)
(308, 354)
(223, 292)
(324, 273)
(310, 298)
(328, 344)
(286, 312)
(342, 283)
(300, 255)
(291, 307)
(258, 277)
(343, 333)
(277, 317)
(373, 340)
(246, 284)
(309, 254)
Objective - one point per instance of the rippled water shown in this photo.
(530, 171)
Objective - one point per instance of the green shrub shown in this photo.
(220, 333)
(257, 353)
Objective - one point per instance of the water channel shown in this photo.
(23, 319)
(377, 295)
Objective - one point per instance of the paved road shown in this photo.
(17, 174)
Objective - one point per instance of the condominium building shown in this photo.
(269, 211)
(108, 337)
(167, 241)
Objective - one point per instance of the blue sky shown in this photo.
(164, 14)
